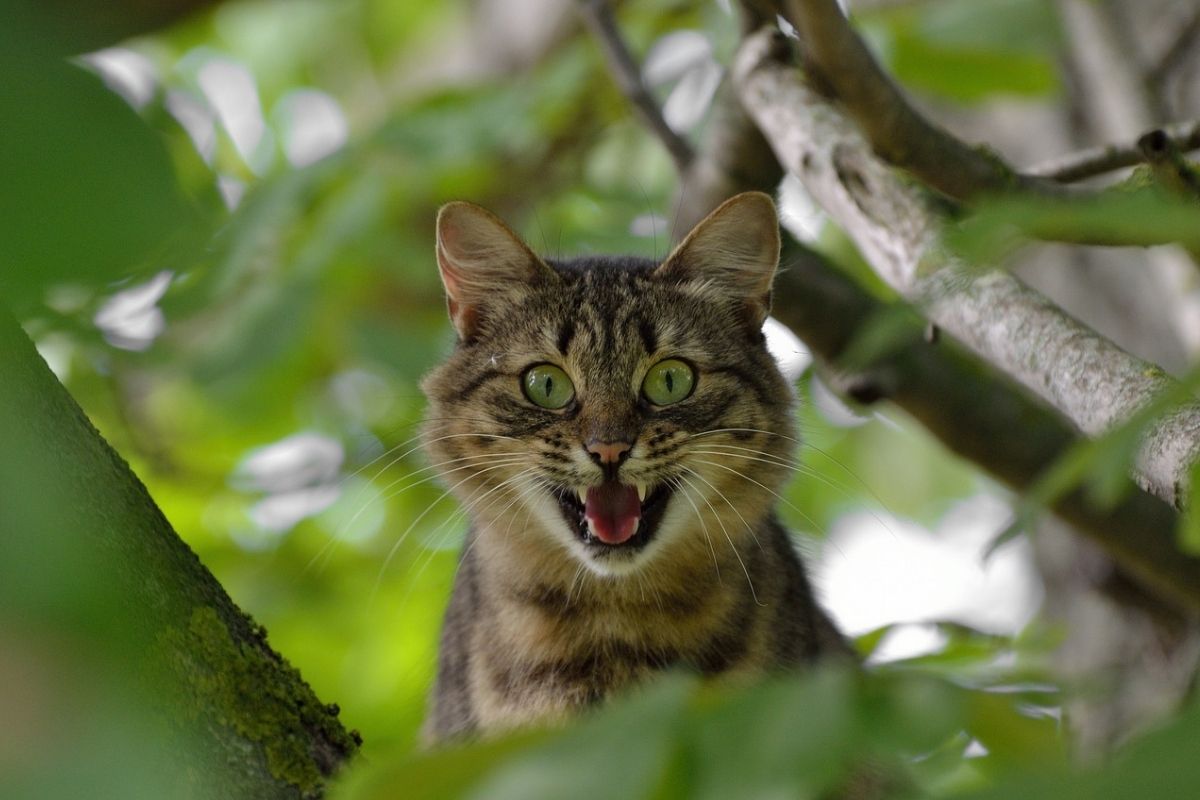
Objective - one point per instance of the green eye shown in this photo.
(548, 386)
(668, 382)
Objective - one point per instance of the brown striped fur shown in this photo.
(540, 626)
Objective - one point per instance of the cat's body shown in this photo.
(619, 434)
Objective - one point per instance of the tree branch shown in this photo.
(597, 16)
(969, 406)
(897, 132)
(974, 411)
(1085, 376)
(902, 136)
(1184, 136)
(90, 563)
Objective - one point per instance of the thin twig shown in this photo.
(597, 16)
(1172, 171)
(1108, 158)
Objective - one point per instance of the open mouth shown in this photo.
(613, 516)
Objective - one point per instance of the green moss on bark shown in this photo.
(251, 689)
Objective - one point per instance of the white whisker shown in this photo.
(675, 481)
(721, 494)
(792, 465)
(497, 459)
(508, 484)
(395, 547)
(743, 430)
(732, 547)
(780, 497)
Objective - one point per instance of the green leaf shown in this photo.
(1014, 736)
(1160, 764)
(619, 754)
(1101, 466)
(1140, 217)
(443, 774)
(971, 75)
(1188, 533)
(90, 194)
(785, 738)
(969, 50)
(866, 644)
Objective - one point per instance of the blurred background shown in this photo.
(224, 227)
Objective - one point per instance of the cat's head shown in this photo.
(617, 410)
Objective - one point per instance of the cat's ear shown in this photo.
(481, 261)
(735, 249)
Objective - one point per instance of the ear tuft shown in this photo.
(481, 261)
(735, 248)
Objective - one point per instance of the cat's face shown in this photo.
(616, 408)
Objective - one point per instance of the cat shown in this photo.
(619, 434)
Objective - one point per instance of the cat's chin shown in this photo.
(611, 556)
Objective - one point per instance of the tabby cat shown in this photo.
(618, 432)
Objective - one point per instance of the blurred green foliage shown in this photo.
(303, 299)
(969, 51)
(1141, 215)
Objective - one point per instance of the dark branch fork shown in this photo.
(897, 131)
(1184, 137)
(904, 138)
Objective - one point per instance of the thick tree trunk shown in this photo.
(98, 592)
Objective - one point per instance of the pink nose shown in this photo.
(608, 452)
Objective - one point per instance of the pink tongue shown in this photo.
(613, 509)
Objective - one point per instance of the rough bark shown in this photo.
(845, 67)
(88, 559)
(1085, 376)
(967, 405)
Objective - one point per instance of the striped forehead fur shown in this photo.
(604, 309)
